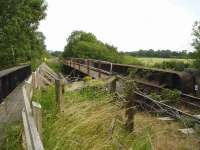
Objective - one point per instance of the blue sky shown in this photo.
(128, 24)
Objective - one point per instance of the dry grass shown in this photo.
(90, 121)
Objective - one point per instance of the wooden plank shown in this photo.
(49, 70)
(34, 80)
(29, 90)
(37, 114)
(44, 79)
(28, 142)
(35, 137)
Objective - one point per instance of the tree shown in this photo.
(81, 44)
(196, 43)
(19, 39)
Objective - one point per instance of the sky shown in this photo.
(129, 25)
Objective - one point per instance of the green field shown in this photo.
(161, 63)
(152, 61)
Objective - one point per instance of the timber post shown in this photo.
(34, 80)
(111, 67)
(113, 85)
(88, 66)
(99, 69)
(37, 115)
(70, 62)
(79, 65)
(59, 87)
(130, 105)
(73, 63)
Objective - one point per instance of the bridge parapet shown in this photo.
(167, 78)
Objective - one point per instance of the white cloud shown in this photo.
(127, 24)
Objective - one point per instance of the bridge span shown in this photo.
(182, 81)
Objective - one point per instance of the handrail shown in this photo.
(30, 116)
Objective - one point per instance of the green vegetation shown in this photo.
(161, 54)
(196, 43)
(161, 63)
(13, 136)
(85, 45)
(127, 59)
(86, 122)
(166, 95)
(151, 61)
(173, 65)
(54, 64)
(91, 121)
(19, 39)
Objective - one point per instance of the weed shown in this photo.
(13, 138)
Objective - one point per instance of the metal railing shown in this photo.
(10, 78)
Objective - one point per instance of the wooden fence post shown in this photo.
(130, 105)
(113, 85)
(99, 67)
(111, 67)
(73, 63)
(79, 65)
(37, 115)
(59, 87)
(34, 80)
(88, 67)
(70, 62)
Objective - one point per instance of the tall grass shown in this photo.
(86, 122)
(92, 120)
(12, 136)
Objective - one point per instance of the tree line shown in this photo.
(19, 39)
(162, 53)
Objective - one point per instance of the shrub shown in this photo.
(173, 65)
(87, 78)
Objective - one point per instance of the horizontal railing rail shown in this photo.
(31, 115)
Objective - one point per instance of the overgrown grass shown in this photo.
(173, 65)
(91, 121)
(171, 96)
(127, 59)
(12, 136)
(86, 122)
(54, 64)
(161, 63)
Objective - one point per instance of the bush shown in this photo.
(173, 65)
(171, 95)
(87, 78)
(127, 59)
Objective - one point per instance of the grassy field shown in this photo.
(152, 61)
(86, 123)
(161, 63)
